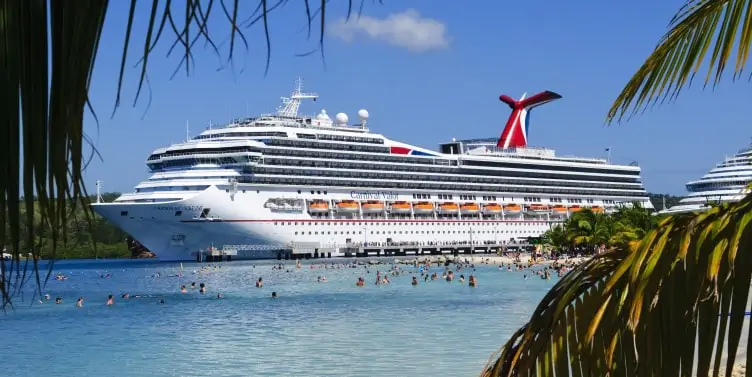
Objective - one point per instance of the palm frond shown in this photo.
(638, 312)
(724, 25)
(48, 50)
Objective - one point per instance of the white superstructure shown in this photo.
(282, 181)
(726, 182)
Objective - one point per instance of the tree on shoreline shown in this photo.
(669, 304)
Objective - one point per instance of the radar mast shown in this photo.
(290, 105)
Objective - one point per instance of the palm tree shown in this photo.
(48, 50)
(670, 304)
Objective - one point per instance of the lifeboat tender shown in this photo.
(423, 207)
(372, 206)
(597, 209)
(448, 207)
(400, 207)
(538, 209)
(348, 206)
(469, 208)
(575, 209)
(512, 209)
(318, 206)
(492, 208)
(559, 209)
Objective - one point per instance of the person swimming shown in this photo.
(110, 300)
(259, 283)
(415, 281)
(202, 288)
(472, 282)
(125, 296)
(274, 294)
(58, 300)
(80, 302)
(193, 285)
(183, 289)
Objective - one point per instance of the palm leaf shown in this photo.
(724, 25)
(630, 310)
(47, 54)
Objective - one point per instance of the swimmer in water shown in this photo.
(58, 300)
(125, 296)
(80, 302)
(110, 300)
(219, 295)
(274, 294)
(193, 285)
(183, 289)
(202, 288)
(472, 282)
(415, 281)
(259, 283)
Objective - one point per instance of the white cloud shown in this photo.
(406, 29)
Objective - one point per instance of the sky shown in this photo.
(427, 71)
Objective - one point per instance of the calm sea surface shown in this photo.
(314, 329)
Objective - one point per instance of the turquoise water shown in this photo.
(313, 329)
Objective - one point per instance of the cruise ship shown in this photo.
(726, 182)
(261, 186)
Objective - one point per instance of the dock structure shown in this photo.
(401, 250)
(315, 250)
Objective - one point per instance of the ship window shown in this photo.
(178, 213)
(123, 213)
(298, 191)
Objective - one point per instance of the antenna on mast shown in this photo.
(187, 132)
(290, 105)
(99, 192)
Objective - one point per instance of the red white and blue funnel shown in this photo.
(515, 132)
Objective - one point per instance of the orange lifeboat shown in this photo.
(559, 209)
(492, 208)
(469, 208)
(448, 207)
(575, 209)
(423, 207)
(372, 206)
(348, 206)
(400, 207)
(318, 206)
(538, 209)
(597, 209)
(512, 209)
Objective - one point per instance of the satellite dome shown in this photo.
(363, 114)
(322, 116)
(341, 118)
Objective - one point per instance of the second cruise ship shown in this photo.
(261, 185)
(725, 183)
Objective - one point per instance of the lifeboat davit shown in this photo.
(492, 208)
(512, 209)
(347, 206)
(538, 209)
(448, 207)
(318, 206)
(469, 208)
(559, 209)
(400, 207)
(423, 207)
(597, 209)
(372, 206)
(575, 209)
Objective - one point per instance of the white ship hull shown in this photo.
(242, 222)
